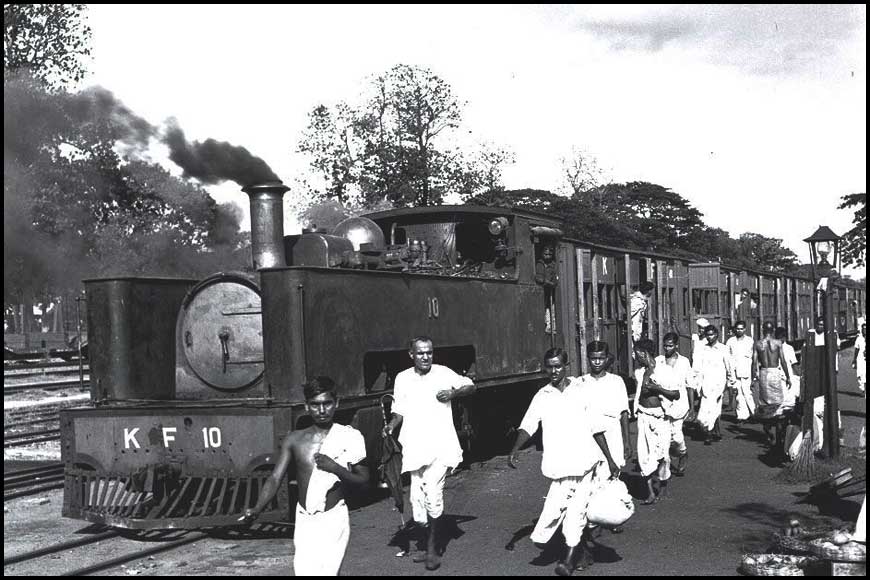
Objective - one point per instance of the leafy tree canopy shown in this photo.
(50, 42)
(398, 146)
(854, 244)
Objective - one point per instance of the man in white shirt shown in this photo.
(607, 400)
(675, 372)
(712, 366)
(430, 447)
(638, 305)
(740, 349)
(571, 454)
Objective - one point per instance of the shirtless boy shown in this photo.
(653, 428)
(325, 456)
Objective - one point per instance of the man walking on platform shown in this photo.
(740, 350)
(571, 452)
(430, 447)
(712, 366)
(770, 368)
(676, 371)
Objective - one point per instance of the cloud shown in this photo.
(760, 39)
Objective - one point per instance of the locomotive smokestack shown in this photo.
(267, 223)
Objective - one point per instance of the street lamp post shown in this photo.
(824, 245)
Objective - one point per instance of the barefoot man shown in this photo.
(653, 428)
(325, 455)
(770, 369)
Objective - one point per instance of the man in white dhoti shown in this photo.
(774, 382)
(653, 428)
(325, 455)
(791, 361)
(859, 363)
(712, 366)
(740, 350)
(675, 371)
(571, 452)
(430, 447)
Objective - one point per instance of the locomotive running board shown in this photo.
(186, 503)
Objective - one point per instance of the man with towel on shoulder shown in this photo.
(654, 383)
(325, 456)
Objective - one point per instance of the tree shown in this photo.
(399, 145)
(766, 253)
(582, 173)
(663, 217)
(581, 218)
(51, 42)
(334, 149)
(854, 241)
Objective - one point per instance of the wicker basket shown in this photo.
(850, 552)
(775, 564)
(796, 545)
(799, 543)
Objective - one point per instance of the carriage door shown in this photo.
(705, 284)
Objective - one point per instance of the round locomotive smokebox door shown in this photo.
(222, 333)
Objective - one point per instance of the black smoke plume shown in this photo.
(212, 161)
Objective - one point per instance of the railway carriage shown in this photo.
(194, 383)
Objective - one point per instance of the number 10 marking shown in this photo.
(434, 311)
(211, 437)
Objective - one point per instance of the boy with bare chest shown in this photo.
(653, 428)
(326, 456)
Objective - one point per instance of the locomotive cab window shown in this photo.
(470, 245)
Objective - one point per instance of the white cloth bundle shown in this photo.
(611, 505)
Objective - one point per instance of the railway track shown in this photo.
(106, 564)
(45, 386)
(36, 372)
(30, 437)
(25, 365)
(189, 538)
(32, 480)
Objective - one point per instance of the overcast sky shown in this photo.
(755, 114)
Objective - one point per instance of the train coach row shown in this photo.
(684, 291)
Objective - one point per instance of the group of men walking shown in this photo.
(585, 423)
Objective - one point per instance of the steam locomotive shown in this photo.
(195, 382)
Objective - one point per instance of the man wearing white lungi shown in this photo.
(740, 350)
(791, 361)
(675, 371)
(571, 452)
(326, 455)
(712, 366)
(653, 428)
(430, 447)
(774, 382)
